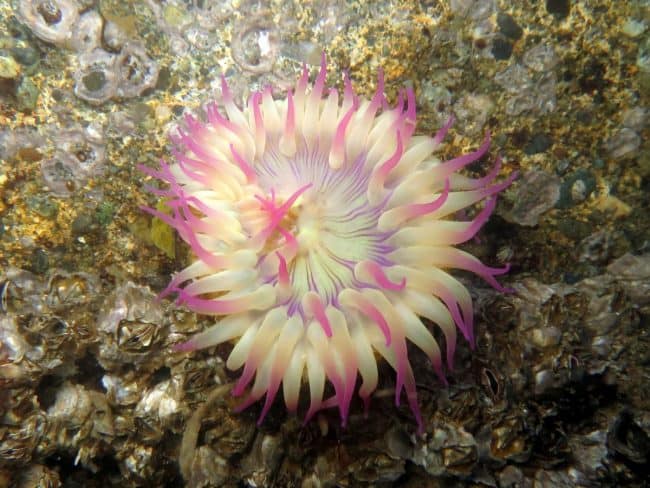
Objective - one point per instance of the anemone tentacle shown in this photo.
(323, 233)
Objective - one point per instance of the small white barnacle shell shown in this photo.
(50, 20)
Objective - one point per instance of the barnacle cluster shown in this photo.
(101, 74)
(108, 65)
(55, 403)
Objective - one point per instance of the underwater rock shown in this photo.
(536, 193)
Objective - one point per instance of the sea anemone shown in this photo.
(323, 231)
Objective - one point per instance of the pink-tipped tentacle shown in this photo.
(291, 332)
(337, 152)
(442, 132)
(219, 122)
(276, 214)
(399, 104)
(347, 353)
(395, 217)
(371, 272)
(260, 134)
(243, 165)
(226, 94)
(380, 172)
(314, 306)
(378, 97)
(487, 179)
(193, 124)
(375, 103)
(409, 115)
(199, 150)
(449, 167)
(319, 83)
(300, 96)
(301, 85)
(187, 346)
(283, 272)
(412, 398)
(478, 222)
(288, 137)
(464, 321)
(352, 298)
(257, 300)
(456, 258)
(349, 98)
(499, 187)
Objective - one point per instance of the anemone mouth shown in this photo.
(323, 233)
(331, 221)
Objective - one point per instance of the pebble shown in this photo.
(9, 68)
(643, 56)
(482, 9)
(579, 191)
(546, 337)
(105, 213)
(624, 143)
(473, 110)
(562, 166)
(561, 8)
(27, 56)
(39, 261)
(27, 95)
(82, 224)
(509, 27)
(538, 144)
(162, 113)
(536, 193)
(596, 247)
(575, 230)
(176, 16)
(43, 205)
(635, 118)
(633, 28)
(612, 205)
(540, 58)
(576, 188)
(546, 91)
(501, 49)
(515, 79)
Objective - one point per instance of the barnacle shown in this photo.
(50, 20)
